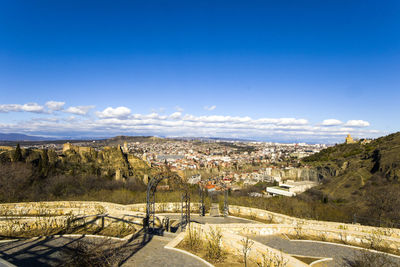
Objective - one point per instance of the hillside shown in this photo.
(359, 175)
(75, 173)
(111, 162)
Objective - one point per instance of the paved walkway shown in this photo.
(54, 251)
(214, 210)
(342, 256)
(154, 254)
(148, 250)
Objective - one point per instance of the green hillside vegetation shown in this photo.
(363, 178)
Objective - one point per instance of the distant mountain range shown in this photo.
(22, 137)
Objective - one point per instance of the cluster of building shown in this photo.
(183, 155)
(230, 165)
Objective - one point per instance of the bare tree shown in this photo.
(246, 247)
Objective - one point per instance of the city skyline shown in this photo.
(256, 70)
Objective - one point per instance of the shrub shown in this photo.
(370, 259)
(270, 259)
(86, 254)
(214, 249)
(193, 238)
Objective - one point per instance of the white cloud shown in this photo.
(179, 109)
(331, 122)
(29, 107)
(119, 120)
(357, 123)
(118, 112)
(156, 110)
(175, 115)
(55, 105)
(79, 110)
(32, 107)
(210, 108)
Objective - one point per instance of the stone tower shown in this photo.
(67, 146)
(125, 147)
(118, 174)
(349, 139)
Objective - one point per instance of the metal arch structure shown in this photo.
(185, 210)
(202, 208)
(150, 200)
(149, 220)
(226, 204)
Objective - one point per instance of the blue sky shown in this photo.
(269, 70)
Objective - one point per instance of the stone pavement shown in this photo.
(214, 210)
(154, 254)
(341, 255)
(148, 250)
(141, 251)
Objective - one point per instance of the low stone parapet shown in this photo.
(276, 218)
(374, 239)
(322, 230)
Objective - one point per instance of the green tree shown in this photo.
(44, 164)
(17, 156)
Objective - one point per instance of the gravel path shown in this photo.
(341, 255)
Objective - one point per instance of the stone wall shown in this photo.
(58, 208)
(277, 218)
(171, 207)
(353, 234)
(32, 216)
(297, 174)
(233, 243)
(33, 213)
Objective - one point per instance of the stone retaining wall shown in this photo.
(338, 232)
(164, 207)
(374, 240)
(83, 208)
(277, 218)
(19, 218)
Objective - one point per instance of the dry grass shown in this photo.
(367, 259)
(84, 254)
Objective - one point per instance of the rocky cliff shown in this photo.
(315, 173)
(111, 162)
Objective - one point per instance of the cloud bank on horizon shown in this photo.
(56, 120)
